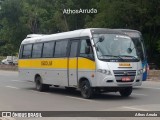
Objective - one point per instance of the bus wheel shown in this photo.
(125, 92)
(39, 86)
(86, 90)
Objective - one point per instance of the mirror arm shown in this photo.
(95, 44)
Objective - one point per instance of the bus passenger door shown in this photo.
(73, 63)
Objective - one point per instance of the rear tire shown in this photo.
(126, 92)
(40, 86)
(86, 89)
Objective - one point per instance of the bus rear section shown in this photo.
(92, 61)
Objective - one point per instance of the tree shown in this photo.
(12, 28)
(22, 17)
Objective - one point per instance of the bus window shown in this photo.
(73, 51)
(61, 48)
(86, 49)
(20, 52)
(27, 51)
(37, 50)
(48, 50)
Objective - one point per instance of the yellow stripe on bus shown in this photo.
(72, 63)
(84, 63)
(57, 63)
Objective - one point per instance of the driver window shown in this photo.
(86, 49)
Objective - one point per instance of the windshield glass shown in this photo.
(139, 47)
(137, 40)
(115, 46)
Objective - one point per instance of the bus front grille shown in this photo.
(120, 74)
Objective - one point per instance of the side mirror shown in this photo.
(101, 38)
(129, 50)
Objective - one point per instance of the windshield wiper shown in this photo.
(114, 56)
(129, 56)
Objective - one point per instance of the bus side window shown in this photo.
(61, 48)
(86, 49)
(48, 49)
(27, 51)
(20, 52)
(37, 50)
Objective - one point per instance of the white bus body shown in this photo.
(78, 59)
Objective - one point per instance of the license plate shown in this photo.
(126, 79)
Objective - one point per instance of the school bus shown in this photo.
(92, 60)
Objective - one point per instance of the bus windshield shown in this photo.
(139, 47)
(137, 40)
(115, 46)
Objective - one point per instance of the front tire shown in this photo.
(40, 86)
(86, 89)
(126, 92)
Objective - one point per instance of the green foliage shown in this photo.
(21, 17)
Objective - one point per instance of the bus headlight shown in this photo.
(139, 72)
(104, 71)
